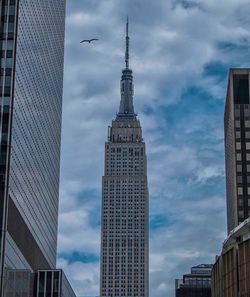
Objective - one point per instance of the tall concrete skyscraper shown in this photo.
(124, 243)
(32, 50)
(237, 147)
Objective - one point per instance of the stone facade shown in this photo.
(124, 244)
(231, 271)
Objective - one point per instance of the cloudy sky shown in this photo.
(180, 55)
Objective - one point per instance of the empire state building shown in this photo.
(124, 242)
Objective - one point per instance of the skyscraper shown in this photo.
(237, 147)
(230, 273)
(124, 243)
(32, 50)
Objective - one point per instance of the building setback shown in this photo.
(124, 242)
(237, 147)
(31, 84)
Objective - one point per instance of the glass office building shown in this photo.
(31, 83)
(195, 284)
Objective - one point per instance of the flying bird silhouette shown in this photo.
(89, 40)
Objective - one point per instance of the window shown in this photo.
(238, 157)
(41, 283)
(247, 124)
(238, 145)
(237, 124)
(237, 112)
(237, 134)
(239, 179)
(248, 145)
(9, 63)
(239, 168)
(241, 214)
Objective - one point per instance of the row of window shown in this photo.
(239, 167)
(241, 202)
(125, 150)
(240, 191)
(125, 171)
(124, 164)
(238, 146)
(130, 181)
(237, 124)
(241, 214)
(124, 138)
(238, 134)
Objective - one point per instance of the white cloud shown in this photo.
(85, 275)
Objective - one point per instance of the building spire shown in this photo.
(127, 46)
(126, 110)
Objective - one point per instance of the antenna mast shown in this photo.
(127, 47)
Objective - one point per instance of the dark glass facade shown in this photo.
(30, 130)
(237, 147)
(19, 283)
(195, 284)
(42, 283)
(52, 283)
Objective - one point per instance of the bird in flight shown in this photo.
(89, 40)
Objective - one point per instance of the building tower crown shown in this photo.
(126, 110)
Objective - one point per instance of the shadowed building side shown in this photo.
(237, 147)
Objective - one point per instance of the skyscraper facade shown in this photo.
(124, 243)
(32, 52)
(237, 147)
